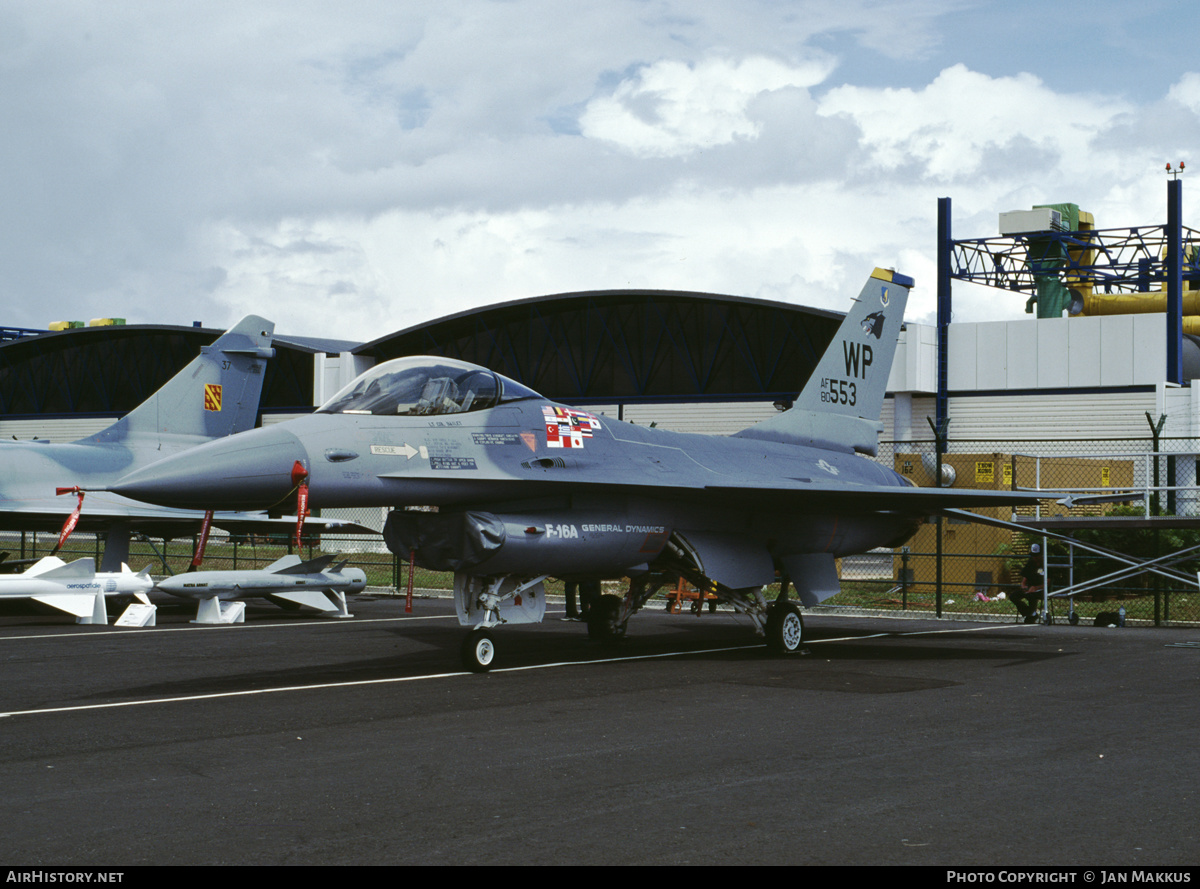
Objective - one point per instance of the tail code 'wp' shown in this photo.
(840, 404)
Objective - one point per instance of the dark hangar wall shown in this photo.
(108, 371)
(632, 345)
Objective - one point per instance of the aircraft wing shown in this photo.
(102, 510)
(787, 494)
(849, 498)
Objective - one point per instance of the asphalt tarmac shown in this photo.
(295, 740)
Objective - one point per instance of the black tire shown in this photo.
(785, 628)
(1073, 619)
(602, 623)
(479, 651)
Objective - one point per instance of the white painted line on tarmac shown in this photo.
(916, 633)
(369, 682)
(118, 632)
(356, 684)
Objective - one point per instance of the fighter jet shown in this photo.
(75, 588)
(288, 582)
(215, 395)
(525, 488)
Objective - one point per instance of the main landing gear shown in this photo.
(486, 602)
(605, 623)
(785, 628)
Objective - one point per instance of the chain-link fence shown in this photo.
(1137, 497)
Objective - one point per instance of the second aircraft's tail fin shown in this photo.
(216, 395)
(840, 404)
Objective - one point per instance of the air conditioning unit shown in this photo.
(1023, 222)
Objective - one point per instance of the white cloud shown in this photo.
(959, 125)
(1187, 92)
(671, 108)
(363, 167)
(361, 278)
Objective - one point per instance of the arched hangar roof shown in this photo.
(632, 345)
(108, 371)
(601, 346)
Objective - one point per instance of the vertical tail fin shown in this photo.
(840, 404)
(216, 395)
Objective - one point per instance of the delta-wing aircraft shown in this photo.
(215, 395)
(526, 488)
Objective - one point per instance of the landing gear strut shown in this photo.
(487, 602)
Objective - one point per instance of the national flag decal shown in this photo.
(212, 396)
(566, 428)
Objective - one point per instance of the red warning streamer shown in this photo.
(300, 480)
(72, 519)
(202, 543)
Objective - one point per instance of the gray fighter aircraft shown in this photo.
(526, 489)
(217, 394)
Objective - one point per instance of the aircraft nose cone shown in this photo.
(251, 470)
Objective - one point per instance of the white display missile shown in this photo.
(289, 583)
(75, 588)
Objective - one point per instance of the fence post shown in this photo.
(408, 588)
(939, 436)
(1155, 434)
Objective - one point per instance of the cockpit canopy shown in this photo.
(423, 386)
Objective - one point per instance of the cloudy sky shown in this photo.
(354, 168)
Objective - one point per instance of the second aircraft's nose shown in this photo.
(251, 470)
